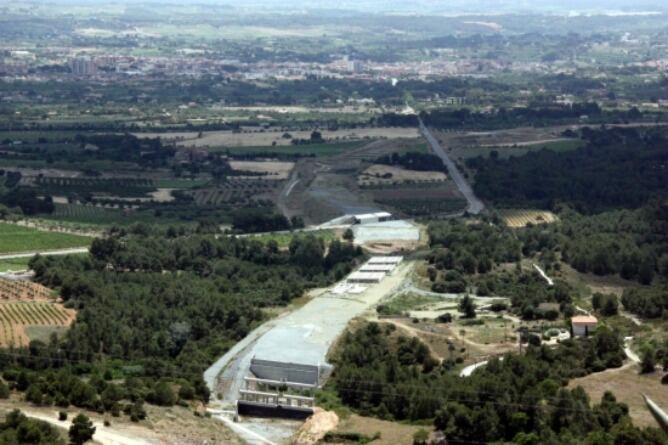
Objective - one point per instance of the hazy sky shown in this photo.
(425, 6)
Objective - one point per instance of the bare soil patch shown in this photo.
(315, 427)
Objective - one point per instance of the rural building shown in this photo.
(370, 218)
(366, 277)
(583, 325)
(393, 260)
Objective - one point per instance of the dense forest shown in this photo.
(155, 308)
(413, 161)
(628, 243)
(520, 399)
(631, 243)
(469, 258)
(619, 168)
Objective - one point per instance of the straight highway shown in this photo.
(475, 206)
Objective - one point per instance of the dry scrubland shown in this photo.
(379, 174)
(628, 386)
(522, 218)
(267, 138)
(391, 433)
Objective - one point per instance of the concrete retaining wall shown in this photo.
(291, 372)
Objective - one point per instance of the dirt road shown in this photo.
(71, 251)
(103, 434)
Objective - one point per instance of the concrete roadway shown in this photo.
(475, 206)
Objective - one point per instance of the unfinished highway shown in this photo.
(475, 206)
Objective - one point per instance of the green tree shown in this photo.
(467, 307)
(648, 362)
(163, 394)
(421, 437)
(82, 430)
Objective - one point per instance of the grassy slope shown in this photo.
(15, 238)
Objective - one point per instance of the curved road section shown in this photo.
(475, 206)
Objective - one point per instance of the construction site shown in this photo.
(274, 371)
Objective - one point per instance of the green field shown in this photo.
(15, 238)
(405, 302)
(326, 149)
(14, 264)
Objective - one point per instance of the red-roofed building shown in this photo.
(583, 325)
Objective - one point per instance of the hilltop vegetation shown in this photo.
(155, 308)
(619, 168)
(520, 399)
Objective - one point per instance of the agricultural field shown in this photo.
(269, 170)
(125, 187)
(259, 138)
(14, 264)
(310, 150)
(379, 174)
(180, 183)
(518, 218)
(86, 214)
(16, 317)
(14, 238)
(233, 191)
(16, 290)
(418, 201)
(375, 149)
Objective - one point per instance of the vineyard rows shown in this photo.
(96, 182)
(14, 317)
(22, 290)
(227, 195)
(522, 218)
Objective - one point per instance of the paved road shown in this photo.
(8, 256)
(475, 206)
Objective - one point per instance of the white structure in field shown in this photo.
(583, 325)
(392, 260)
(366, 277)
(384, 268)
(370, 218)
